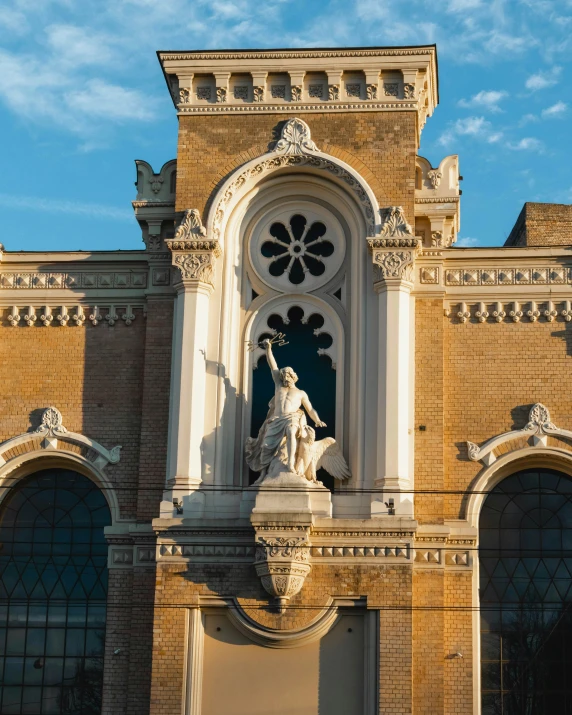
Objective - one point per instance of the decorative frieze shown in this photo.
(70, 316)
(87, 279)
(216, 550)
(513, 311)
(541, 275)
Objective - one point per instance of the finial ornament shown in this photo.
(191, 226)
(295, 138)
(394, 223)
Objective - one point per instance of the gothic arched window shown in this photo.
(525, 556)
(53, 589)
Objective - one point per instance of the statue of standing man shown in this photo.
(285, 442)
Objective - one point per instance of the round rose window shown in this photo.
(297, 250)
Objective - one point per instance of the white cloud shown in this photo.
(77, 46)
(463, 5)
(13, 20)
(527, 144)
(541, 80)
(33, 203)
(51, 93)
(501, 43)
(556, 110)
(477, 127)
(485, 99)
(466, 242)
(109, 101)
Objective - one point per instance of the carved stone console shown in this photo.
(282, 560)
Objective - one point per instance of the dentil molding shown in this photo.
(72, 316)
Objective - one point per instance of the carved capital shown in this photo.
(391, 263)
(196, 266)
(192, 253)
(393, 266)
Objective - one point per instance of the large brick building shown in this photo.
(143, 569)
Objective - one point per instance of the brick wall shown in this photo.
(380, 146)
(542, 225)
(493, 374)
(429, 412)
(93, 375)
(180, 585)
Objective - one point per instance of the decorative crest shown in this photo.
(539, 427)
(295, 138)
(394, 223)
(190, 226)
(52, 422)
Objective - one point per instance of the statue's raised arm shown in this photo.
(272, 362)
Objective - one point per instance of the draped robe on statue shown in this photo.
(264, 449)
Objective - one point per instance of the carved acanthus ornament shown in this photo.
(295, 138)
(192, 253)
(395, 249)
(282, 563)
(434, 176)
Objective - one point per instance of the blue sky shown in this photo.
(82, 95)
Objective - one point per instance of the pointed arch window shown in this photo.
(53, 590)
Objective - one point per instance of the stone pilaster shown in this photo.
(393, 254)
(194, 255)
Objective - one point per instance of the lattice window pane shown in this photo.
(53, 576)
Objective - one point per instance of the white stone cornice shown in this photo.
(330, 80)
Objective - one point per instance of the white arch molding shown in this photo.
(48, 450)
(294, 151)
(235, 282)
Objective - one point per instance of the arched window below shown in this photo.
(53, 590)
(525, 571)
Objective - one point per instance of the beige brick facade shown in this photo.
(140, 339)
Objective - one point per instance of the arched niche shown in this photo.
(243, 294)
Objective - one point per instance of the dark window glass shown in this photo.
(316, 376)
(53, 588)
(526, 595)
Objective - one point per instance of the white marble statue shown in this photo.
(285, 442)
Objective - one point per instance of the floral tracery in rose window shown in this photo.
(297, 248)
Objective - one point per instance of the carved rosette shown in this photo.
(394, 250)
(282, 563)
(192, 252)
